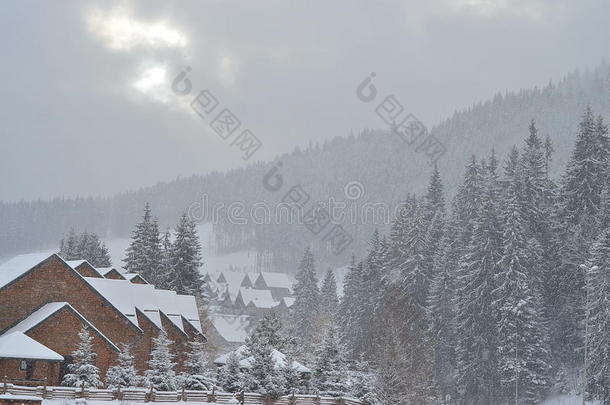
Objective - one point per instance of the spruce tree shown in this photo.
(83, 371)
(307, 299)
(160, 373)
(523, 352)
(329, 301)
(186, 258)
(476, 320)
(124, 373)
(143, 256)
(329, 373)
(351, 311)
(598, 348)
(586, 173)
(198, 375)
(230, 377)
(265, 377)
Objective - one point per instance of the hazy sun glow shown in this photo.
(121, 32)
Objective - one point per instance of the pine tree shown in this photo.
(476, 320)
(144, 251)
(523, 352)
(160, 373)
(586, 173)
(329, 301)
(329, 371)
(307, 299)
(270, 329)
(598, 286)
(86, 246)
(167, 273)
(198, 375)
(123, 374)
(83, 372)
(186, 258)
(265, 378)
(230, 377)
(351, 311)
(440, 306)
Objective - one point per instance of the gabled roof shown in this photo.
(45, 312)
(276, 280)
(257, 298)
(246, 361)
(287, 301)
(77, 263)
(232, 328)
(132, 276)
(17, 345)
(20, 265)
(127, 296)
(105, 271)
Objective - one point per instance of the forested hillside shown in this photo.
(386, 167)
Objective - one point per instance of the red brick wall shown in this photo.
(114, 275)
(60, 334)
(42, 369)
(86, 270)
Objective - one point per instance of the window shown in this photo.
(23, 365)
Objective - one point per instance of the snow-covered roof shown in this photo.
(131, 276)
(276, 280)
(19, 265)
(258, 298)
(234, 280)
(76, 263)
(127, 296)
(106, 270)
(287, 301)
(17, 345)
(246, 361)
(46, 311)
(232, 328)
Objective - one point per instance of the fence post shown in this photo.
(316, 400)
(5, 384)
(82, 390)
(118, 392)
(341, 401)
(150, 395)
(44, 389)
(184, 394)
(212, 396)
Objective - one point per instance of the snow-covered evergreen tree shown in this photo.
(186, 258)
(351, 311)
(265, 378)
(198, 375)
(523, 351)
(477, 340)
(83, 371)
(307, 299)
(167, 274)
(329, 372)
(230, 377)
(329, 301)
(123, 374)
(598, 348)
(86, 246)
(143, 256)
(160, 373)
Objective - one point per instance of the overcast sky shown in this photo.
(87, 106)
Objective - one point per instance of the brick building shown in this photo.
(45, 301)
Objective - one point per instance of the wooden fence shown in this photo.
(151, 395)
